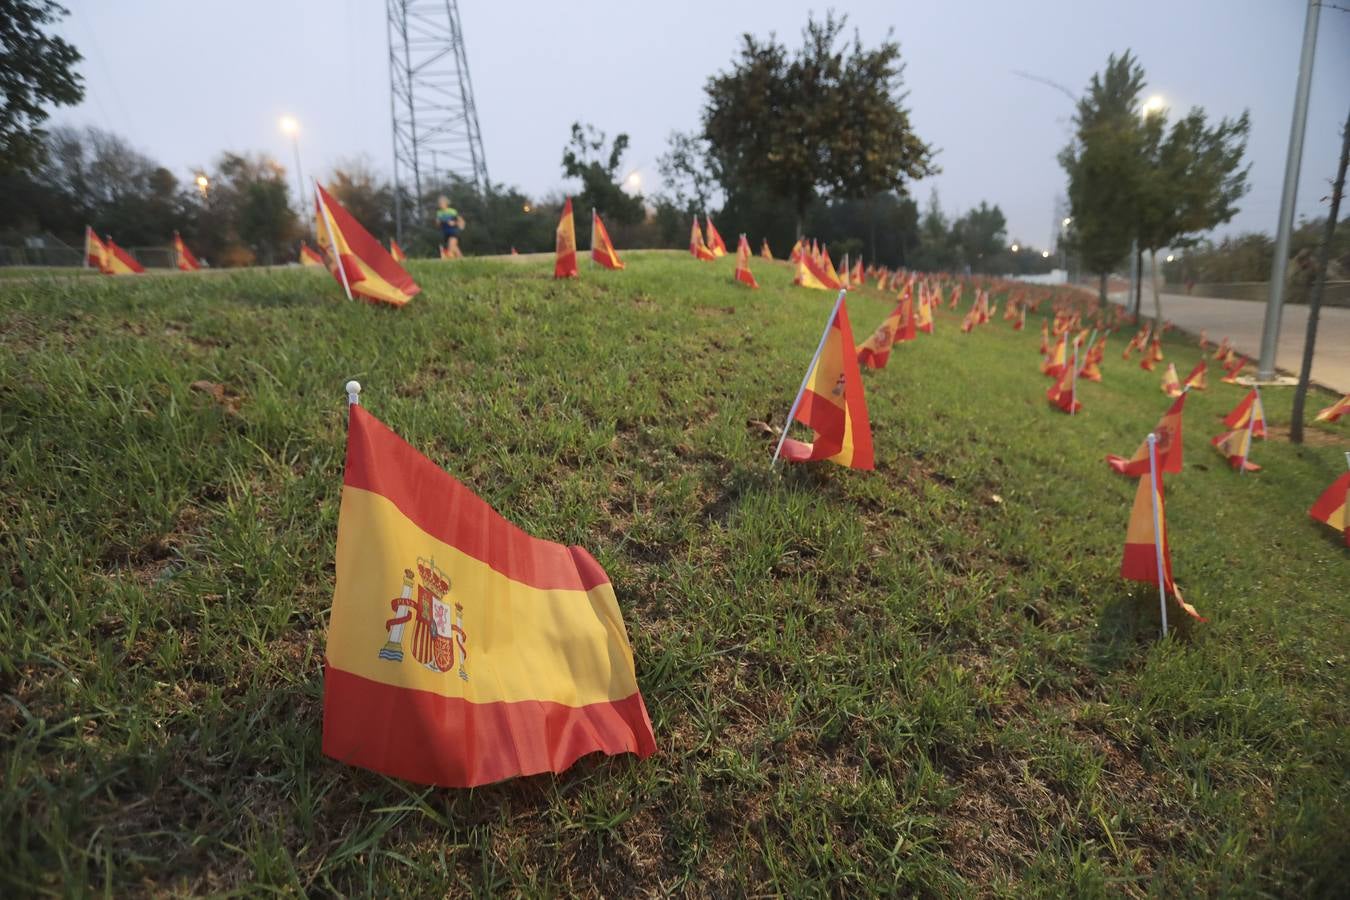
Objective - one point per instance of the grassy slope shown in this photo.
(867, 680)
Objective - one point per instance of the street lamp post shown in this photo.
(291, 128)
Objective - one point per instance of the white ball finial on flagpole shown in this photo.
(353, 392)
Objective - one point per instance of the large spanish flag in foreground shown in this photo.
(359, 262)
(1335, 410)
(1143, 542)
(602, 248)
(565, 244)
(1168, 447)
(120, 262)
(182, 256)
(1333, 507)
(831, 401)
(461, 650)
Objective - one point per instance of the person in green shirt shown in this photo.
(451, 224)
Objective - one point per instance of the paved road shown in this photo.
(1241, 321)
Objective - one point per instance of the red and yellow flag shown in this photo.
(1236, 446)
(565, 244)
(796, 253)
(1056, 361)
(833, 404)
(697, 247)
(1248, 409)
(715, 242)
(1171, 383)
(845, 281)
(1168, 447)
(602, 248)
(396, 252)
(1063, 394)
(1143, 540)
(1196, 379)
(828, 268)
(1332, 508)
(95, 251)
(743, 273)
(120, 262)
(1233, 368)
(858, 279)
(923, 320)
(358, 262)
(1021, 319)
(764, 251)
(182, 256)
(811, 275)
(1333, 412)
(956, 296)
(875, 352)
(461, 650)
(309, 256)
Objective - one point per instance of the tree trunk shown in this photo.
(1315, 300)
(1157, 295)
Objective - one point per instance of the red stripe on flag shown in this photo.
(431, 739)
(380, 461)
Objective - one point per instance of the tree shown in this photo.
(1102, 163)
(688, 172)
(356, 186)
(824, 119)
(36, 70)
(981, 237)
(584, 158)
(247, 216)
(1191, 182)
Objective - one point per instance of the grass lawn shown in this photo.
(925, 678)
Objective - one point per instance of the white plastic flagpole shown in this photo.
(594, 217)
(332, 241)
(1247, 444)
(1157, 527)
(1073, 382)
(353, 393)
(792, 413)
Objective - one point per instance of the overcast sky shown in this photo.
(185, 80)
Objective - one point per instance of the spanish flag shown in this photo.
(1021, 319)
(743, 273)
(1222, 351)
(358, 262)
(1197, 377)
(565, 244)
(844, 280)
(182, 256)
(1233, 368)
(120, 262)
(1249, 409)
(95, 251)
(309, 256)
(828, 268)
(796, 253)
(697, 248)
(461, 650)
(1331, 507)
(1063, 394)
(1168, 446)
(956, 296)
(1236, 446)
(831, 401)
(1144, 542)
(859, 278)
(1171, 383)
(924, 319)
(396, 251)
(764, 251)
(602, 248)
(875, 352)
(1335, 410)
(813, 276)
(715, 242)
(1057, 359)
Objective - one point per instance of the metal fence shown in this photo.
(1337, 292)
(47, 251)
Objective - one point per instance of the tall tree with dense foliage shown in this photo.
(823, 119)
(586, 159)
(1103, 163)
(37, 70)
(1192, 178)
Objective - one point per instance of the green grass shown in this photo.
(929, 678)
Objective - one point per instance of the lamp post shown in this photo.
(204, 185)
(291, 128)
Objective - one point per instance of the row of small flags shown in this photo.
(104, 255)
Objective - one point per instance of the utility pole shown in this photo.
(1270, 333)
(1315, 301)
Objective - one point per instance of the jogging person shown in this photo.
(451, 224)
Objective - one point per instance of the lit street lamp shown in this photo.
(1171, 256)
(203, 184)
(1015, 248)
(291, 128)
(1068, 220)
(1154, 104)
(1045, 254)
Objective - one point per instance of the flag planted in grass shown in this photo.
(715, 242)
(1333, 412)
(396, 251)
(1249, 411)
(1168, 446)
(1147, 557)
(602, 248)
(697, 247)
(182, 256)
(309, 256)
(565, 244)
(830, 400)
(119, 261)
(461, 650)
(1333, 507)
(743, 273)
(358, 262)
